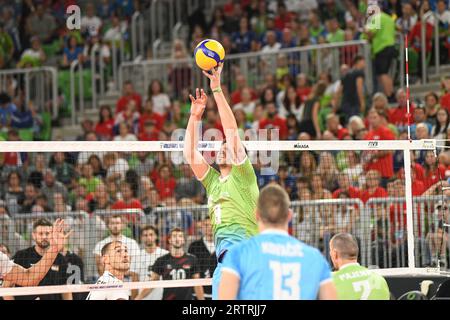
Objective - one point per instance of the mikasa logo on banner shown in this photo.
(301, 146)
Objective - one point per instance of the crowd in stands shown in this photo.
(33, 31)
(290, 104)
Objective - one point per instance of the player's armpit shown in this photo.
(229, 286)
(327, 290)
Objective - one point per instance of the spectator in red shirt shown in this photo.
(128, 201)
(241, 84)
(303, 87)
(399, 115)
(13, 159)
(418, 187)
(128, 94)
(149, 132)
(381, 161)
(283, 17)
(373, 188)
(105, 125)
(334, 131)
(433, 172)
(272, 120)
(415, 36)
(149, 114)
(445, 97)
(165, 183)
(346, 187)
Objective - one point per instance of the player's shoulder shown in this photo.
(24, 253)
(104, 241)
(106, 278)
(164, 258)
(196, 244)
(190, 256)
(161, 252)
(60, 259)
(129, 241)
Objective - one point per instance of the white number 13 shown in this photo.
(286, 278)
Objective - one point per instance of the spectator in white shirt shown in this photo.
(151, 251)
(124, 133)
(117, 29)
(272, 44)
(116, 227)
(90, 23)
(116, 167)
(442, 13)
(161, 101)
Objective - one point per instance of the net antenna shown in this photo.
(442, 221)
(407, 87)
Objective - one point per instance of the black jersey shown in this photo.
(177, 268)
(207, 262)
(57, 275)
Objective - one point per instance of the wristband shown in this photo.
(217, 90)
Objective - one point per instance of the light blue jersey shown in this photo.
(275, 266)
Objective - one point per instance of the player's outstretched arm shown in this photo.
(229, 123)
(32, 276)
(195, 159)
(229, 286)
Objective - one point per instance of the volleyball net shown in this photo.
(391, 195)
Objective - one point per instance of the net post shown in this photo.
(409, 207)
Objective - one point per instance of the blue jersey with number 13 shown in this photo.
(276, 266)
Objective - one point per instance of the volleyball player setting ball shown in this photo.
(232, 191)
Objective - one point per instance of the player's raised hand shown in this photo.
(59, 236)
(214, 76)
(198, 104)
